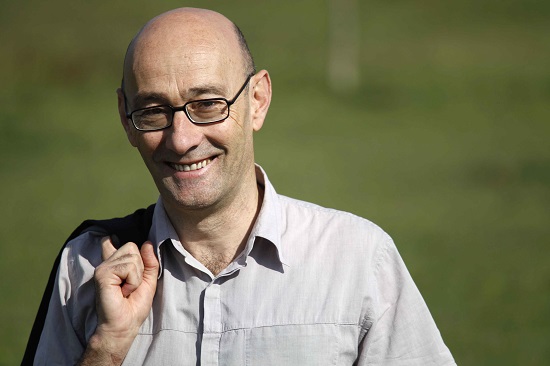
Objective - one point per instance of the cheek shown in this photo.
(147, 143)
(227, 134)
(132, 135)
(239, 117)
(238, 127)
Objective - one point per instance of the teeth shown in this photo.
(194, 166)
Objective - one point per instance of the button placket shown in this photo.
(212, 325)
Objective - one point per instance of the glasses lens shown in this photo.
(153, 118)
(211, 110)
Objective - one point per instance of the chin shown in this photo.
(197, 201)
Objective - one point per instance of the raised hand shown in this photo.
(125, 283)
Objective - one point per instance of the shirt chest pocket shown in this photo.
(303, 344)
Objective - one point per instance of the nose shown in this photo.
(183, 135)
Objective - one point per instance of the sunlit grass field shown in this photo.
(445, 144)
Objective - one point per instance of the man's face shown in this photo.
(193, 166)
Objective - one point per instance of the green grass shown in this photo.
(445, 145)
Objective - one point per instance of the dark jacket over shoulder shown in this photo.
(132, 228)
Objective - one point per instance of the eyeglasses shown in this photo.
(201, 111)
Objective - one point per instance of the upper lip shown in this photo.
(194, 161)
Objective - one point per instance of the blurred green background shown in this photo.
(445, 144)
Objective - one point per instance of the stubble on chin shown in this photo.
(195, 196)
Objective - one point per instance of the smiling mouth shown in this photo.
(191, 167)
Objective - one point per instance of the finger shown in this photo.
(132, 280)
(125, 253)
(150, 263)
(126, 263)
(107, 248)
(124, 274)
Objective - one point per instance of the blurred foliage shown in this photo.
(445, 146)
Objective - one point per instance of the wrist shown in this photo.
(105, 351)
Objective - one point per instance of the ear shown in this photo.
(260, 95)
(126, 123)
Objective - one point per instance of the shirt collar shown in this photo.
(267, 225)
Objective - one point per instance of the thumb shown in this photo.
(150, 262)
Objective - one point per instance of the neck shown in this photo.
(215, 236)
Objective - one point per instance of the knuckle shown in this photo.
(99, 271)
(130, 247)
(120, 267)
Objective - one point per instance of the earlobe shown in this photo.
(126, 124)
(261, 98)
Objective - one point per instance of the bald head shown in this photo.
(189, 25)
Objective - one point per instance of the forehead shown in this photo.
(184, 65)
(182, 57)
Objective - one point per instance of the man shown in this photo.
(231, 273)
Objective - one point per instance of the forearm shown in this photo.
(103, 352)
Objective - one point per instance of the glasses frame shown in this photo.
(183, 108)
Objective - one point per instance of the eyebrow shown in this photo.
(207, 89)
(142, 99)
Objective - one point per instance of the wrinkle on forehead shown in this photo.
(182, 79)
(183, 39)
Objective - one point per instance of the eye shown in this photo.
(207, 110)
(206, 105)
(152, 112)
(152, 118)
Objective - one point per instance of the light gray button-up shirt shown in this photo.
(314, 286)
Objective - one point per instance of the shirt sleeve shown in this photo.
(401, 330)
(71, 317)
